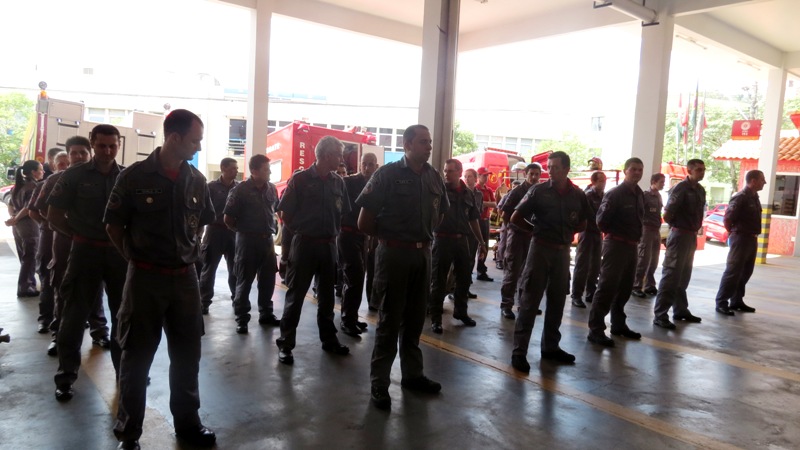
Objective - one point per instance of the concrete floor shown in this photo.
(725, 383)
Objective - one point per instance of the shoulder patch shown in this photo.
(114, 201)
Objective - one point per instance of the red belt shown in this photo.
(404, 244)
(92, 242)
(353, 230)
(550, 244)
(317, 240)
(162, 270)
(622, 239)
(448, 235)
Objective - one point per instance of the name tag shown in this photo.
(403, 181)
(149, 191)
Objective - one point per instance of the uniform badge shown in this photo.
(149, 200)
(367, 189)
(339, 204)
(114, 201)
(193, 221)
(436, 203)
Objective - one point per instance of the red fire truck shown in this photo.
(292, 147)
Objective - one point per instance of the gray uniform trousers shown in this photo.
(676, 274)
(309, 257)
(255, 256)
(587, 265)
(649, 248)
(449, 251)
(43, 256)
(516, 252)
(352, 249)
(614, 289)
(738, 269)
(88, 268)
(156, 300)
(546, 269)
(402, 286)
(217, 242)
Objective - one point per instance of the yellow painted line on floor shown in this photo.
(606, 406)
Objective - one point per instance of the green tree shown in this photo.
(15, 112)
(463, 141)
(579, 153)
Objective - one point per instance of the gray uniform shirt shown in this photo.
(555, 215)
(620, 213)
(314, 204)
(652, 209)
(685, 204)
(253, 207)
(219, 195)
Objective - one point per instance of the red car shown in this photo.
(5, 193)
(718, 208)
(715, 228)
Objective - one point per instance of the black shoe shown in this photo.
(421, 384)
(520, 363)
(483, 277)
(199, 437)
(651, 291)
(724, 310)
(350, 330)
(538, 312)
(743, 308)
(28, 294)
(471, 295)
(361, 325)
(436, 327)
(627, 332)
(204, 310)
(466, 320)
(508, 314)
(589, 298)
(337, 294)
(43, 329)
(450, 297)
(498, 265)
(269, 319)
(86, 325)
(102, 342)
(664, 323)
(241, 329)
(600, 339)
(688, 317)
(285, 357)
(131, 444)
(64, 393)
(52, 349)
(638, 293)
(372, 308)
(380, 398)
(336, 348)
(578, 303)
(559, 356)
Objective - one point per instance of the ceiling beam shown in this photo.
(684, 7)
(567, 20)
(733, 39)
(791, 62)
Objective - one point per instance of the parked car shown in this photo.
(5, 193)
(718, 208)
(715, 228)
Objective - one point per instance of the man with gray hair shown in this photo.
(311, 207)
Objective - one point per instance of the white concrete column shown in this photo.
(651, 96)
(258, 85)
(437, 88)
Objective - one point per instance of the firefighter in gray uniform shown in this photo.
(743, 221)
(312, 206)
(554, 211)
(517, 242)
(620, 218)
(250, 211)
(650, 245)
(154, 217)
(218, 240)
(451, 247)
(590, 241)
(76, 207)
(684, 214)
(401, 205)
(352, 246)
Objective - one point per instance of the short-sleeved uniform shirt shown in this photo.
(652, 209)
(685, 204)
(219, 195)
(355, 184)
(594, 199)
(315, 205)
(620, 213)
(83, 191)
(554, 214)
(162, 217)
(743, 214)
(253, 207)
(487, 196)
(463, 208)
(406, 204)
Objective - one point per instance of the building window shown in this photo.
(237, 136)
(786, 192)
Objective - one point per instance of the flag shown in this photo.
(701, 125)
(679, 122)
